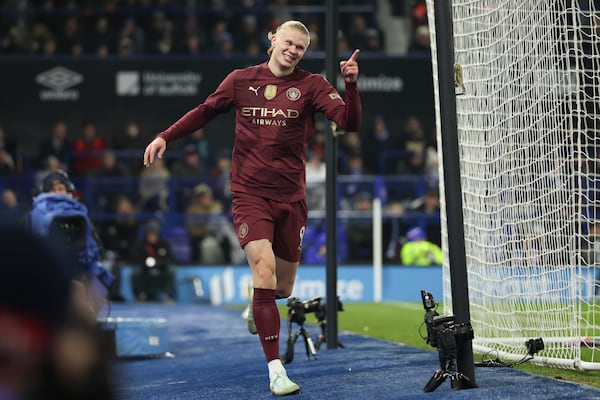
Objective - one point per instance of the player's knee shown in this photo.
(283, 292)
(263, 275)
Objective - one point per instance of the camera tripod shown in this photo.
(448, 370)
(308, 343)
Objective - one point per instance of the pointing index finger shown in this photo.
(354, 55)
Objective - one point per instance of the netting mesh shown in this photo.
(528, 129)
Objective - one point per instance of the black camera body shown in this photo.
(298, 309)
(442, 330)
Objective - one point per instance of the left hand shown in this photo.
(349, 67)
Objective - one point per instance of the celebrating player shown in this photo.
(275, 105)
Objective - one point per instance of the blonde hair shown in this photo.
(296, 25)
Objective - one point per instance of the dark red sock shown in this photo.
(267, 321)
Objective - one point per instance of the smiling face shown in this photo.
(288, 46)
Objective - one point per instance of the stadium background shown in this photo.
(102, 74)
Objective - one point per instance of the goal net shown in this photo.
(529, 142)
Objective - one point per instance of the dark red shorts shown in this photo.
(255, 217)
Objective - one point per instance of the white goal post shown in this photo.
(529, 141)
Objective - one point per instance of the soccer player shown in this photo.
(275, 105)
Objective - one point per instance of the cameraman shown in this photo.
(59, 216)
(153, 278)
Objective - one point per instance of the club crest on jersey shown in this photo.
(335, 95)
(293, 94)
(270, 91)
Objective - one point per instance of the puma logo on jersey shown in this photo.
(254, 90)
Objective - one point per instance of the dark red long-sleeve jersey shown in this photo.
(274, 122)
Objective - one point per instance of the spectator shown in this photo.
(247, 33)
(375, 146)
(154, 187)
(315, 168)
(429, 204)
(351, 143)
(417, 250)
(360, 228)
(153, 278)
(7, 163)
(394, 209)
(432, 172)
(187, 169)
(110, 169)
(11, 209)
(70, 36)
(357, 32)
(119, 234)
(221, 174)
(421, 42)
(111, 166)
(101, 38)
(57, 144)
(317, 142)
(204, 147)
(374, 40)
(87, 151)
(133, 35)
(49, 47)
(314, 244)
(315, 181)
(354, 165)
(414, 164)
(413, 135)
(38, 34)
(160, 27)
(222, 41)
(254, 49)
(213, 239)
(344, 49)
(12, 158)
(414, 145)
(129, 143)
(193, 44)
(125, 47)
(419, 14)
(314, 26)
(354, 181)
(51, 164)
(165, 44)
(192, 36)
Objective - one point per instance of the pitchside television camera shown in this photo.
(442, 332)
(297, 311)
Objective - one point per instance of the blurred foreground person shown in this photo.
(37, 319)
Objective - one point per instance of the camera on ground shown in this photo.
(442, 330)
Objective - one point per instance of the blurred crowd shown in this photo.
(126, 27)
(190, 27)
(190, 187)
